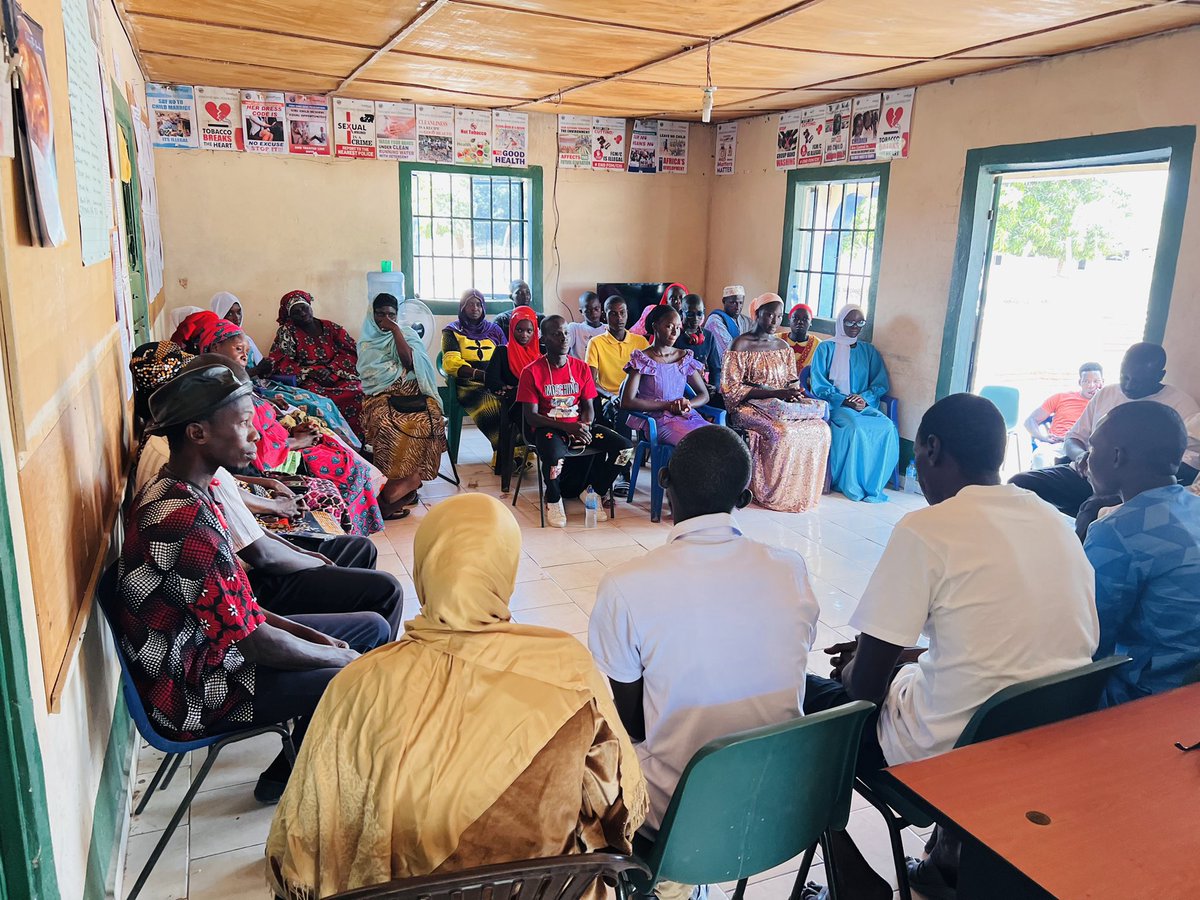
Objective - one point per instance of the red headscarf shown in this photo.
(675, 284)
(639, 327)
(519, 357)
(200, 331)
(804, 306)
(290, 299)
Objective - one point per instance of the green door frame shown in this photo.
(26, 854)
(134, 236)
(450, 307)
(1172, 145)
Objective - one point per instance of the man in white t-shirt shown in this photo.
(579, 333)
(1066, 486)
(709, 634)
(994, 578)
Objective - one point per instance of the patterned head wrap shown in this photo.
(201, 331)
(153, 365)
(290, 299)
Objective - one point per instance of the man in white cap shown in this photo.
(727, 323)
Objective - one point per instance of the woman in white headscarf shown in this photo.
(178, 315)
(850, 376)
(228, 306)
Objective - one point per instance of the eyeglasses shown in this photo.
(860, 323)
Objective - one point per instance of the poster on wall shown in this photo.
(308, 124)
(787, 141)
(473, 137)
(837, 132)
(151, 229)
(643, 146)
(395, 131)
(262, 113)
(218, 110)
(89, 140)
(672, 147)
(895, 114)
(812, 136)
(353, 128)
(864, 130)
(36, 124)
(726, 147)
(172, 115)
(608, 143)
(435, 134)
(510, 138)
(574, 142)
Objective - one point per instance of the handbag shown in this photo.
(408, 403)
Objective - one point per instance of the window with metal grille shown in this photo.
(464, 228)
(832, 238)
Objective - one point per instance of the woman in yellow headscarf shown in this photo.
(471, 740)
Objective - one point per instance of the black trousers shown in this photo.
(598, 470)
(351, 585)
(821, 694)
(1060, 486)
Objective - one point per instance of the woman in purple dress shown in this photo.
(656, 379)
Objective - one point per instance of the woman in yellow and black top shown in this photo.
(467, 346)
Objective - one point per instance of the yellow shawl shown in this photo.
(413, 742)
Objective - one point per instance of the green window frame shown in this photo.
(464, 253)
(1172, 145)
(826, 257)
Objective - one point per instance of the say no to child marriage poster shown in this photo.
(643, 146)
(574, 142)
(510, 138)
(308, 124)
(672, 147)
(837, 132)
(864, 128)
(218, 110)
(435, 134)
(895, 124)
(473, 137)
(608, 143)
(726, 148)
(172, 114)
(396, 131)
(353, 128)
(787, 141)
(262, 113)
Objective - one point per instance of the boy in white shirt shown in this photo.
(992, 575)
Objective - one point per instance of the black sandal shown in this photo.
(396, 515)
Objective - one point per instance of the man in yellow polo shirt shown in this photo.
(607, 353)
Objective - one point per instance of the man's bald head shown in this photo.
(1143, 369)
(1135, 444)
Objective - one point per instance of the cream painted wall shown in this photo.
(260, 226)
(1141, 84)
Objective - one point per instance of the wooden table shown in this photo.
(1118, 802)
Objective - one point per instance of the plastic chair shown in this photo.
(887, 404)
(1018, 707)
(609, 504)
(659, 453)
(105, 597)
(1008, 401)
(753, 800)
(454, 412)
(552, 878)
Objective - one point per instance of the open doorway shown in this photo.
(1068, 278)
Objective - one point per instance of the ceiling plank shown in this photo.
(421, 18)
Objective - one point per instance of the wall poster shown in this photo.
(307, 124)
(262, 113)
(353, 128)
(574, 142)
(812, 136)
(473, 137)
(510, 138)
(435, 134)
(726, 148)
(219, 112)
(864, 132)
(643, 146)
(787, 142)
(608, 143)
(895, 124)
(396, 131)
(172, 115)
(672, 147)
(837, 132)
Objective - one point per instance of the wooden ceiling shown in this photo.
(617, 57)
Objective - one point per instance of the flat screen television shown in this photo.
(638, 294)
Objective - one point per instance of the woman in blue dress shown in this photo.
(850, 376)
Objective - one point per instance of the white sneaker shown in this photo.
(601, 512)
(556, 516)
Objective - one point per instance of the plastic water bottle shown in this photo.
(911, 485)
(591, 503)
(793, 295)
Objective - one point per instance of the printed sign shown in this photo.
(262, 113)
(396, 131)
(435, 134)
(672, 147)
(787, 141)
(172, 114)
(510, 138)
(896, 122)
(353, 128)
(643, 146)
(837, 132)
(726, 147)
(574, 142)
(608, 143)
(308, 124)
(864, 130)
(473, 137)
(812, 136)
(218, 110)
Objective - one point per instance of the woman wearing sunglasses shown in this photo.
(850, 376)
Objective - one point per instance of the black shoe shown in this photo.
(268, 790)
(621, 488)
(927, 879)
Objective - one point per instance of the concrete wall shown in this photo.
(1141, 84)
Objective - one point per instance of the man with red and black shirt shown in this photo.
(205, 657)
(554, 389)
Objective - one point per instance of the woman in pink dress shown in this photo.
(656, 379)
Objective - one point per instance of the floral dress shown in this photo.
(326, 364)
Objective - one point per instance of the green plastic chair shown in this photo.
(753, 800)
(1018, 707)
(454, 412)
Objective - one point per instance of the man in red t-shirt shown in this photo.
(554, 389)
(1051, 421)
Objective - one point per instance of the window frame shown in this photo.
(801, 178)
(407, 265)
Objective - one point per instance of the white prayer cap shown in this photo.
(733, 290)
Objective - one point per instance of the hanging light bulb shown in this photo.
(706, 107)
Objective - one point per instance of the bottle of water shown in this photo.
(591, 503)
(793, 296)
(911, 485)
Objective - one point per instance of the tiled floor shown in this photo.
(217, 852)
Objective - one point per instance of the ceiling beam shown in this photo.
(413, 24)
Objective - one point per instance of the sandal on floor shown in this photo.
(396, 515)
(814, 891)
(412, 498)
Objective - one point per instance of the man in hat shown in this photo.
(727, 323)
(205, 657)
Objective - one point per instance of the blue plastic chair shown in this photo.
(658, 452)
(887, 404)
(175, 750)
(1008, 401)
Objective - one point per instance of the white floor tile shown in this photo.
(169, 878)
(228, 819)
(236, 875)
(532, 594)
(584, 598)
(565, 617)
(577, 575)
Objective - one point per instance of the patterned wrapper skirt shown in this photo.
(405, 442)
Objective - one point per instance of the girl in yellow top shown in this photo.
(802, 343)
(467, 346)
